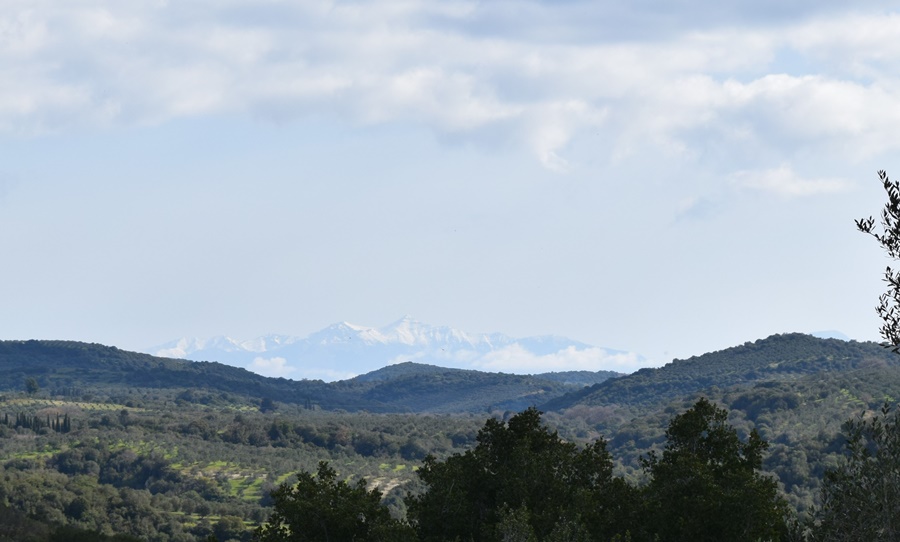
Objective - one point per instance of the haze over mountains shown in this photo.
(344, 350)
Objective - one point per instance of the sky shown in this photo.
(666, 178)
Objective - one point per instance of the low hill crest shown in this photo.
(403, 387)
(775, 358)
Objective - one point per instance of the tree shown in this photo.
(267, 405)
(888, 307)
(229, 528)
(521, 481)
(861, 497)
(706, 485)
(31, 386)
(321, 509)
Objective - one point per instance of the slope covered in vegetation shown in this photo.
(76, 368)
(776, 358)
(101, 440)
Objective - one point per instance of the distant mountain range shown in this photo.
(345, 350)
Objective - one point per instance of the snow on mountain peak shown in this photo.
(178, 348)
(407, 330)
(355, 349)
(354, 327)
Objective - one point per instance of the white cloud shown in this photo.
(783, 181)
(515, 359)
(278, 367)
(854, 43)
(328, 375)
(856, 119)
(272, 367)
(459, 68)
(552, 126)
(22, 34)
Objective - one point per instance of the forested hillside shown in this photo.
(168, 465)
(777, 358)
(77, 368)
(99, 440)
(796, 390)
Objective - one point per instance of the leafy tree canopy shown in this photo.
(861, 497)
(706, 486)
(520, 478)
(31, 386)
(888, 307)
(322, 508)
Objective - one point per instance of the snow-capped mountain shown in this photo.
(345, 350)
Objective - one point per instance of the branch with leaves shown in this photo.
(888, 307)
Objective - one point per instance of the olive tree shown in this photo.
(861, 497)
(888, 307)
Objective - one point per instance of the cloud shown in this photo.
(328, 375)
(272, 367)
(278, 367)
(856, 44)
(538, 75)
(552, 125)
(783, 181)
(515, 359)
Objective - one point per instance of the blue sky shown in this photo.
(664, 178)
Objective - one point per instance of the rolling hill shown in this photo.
(159, 427)
(408, 387)
(782, 357)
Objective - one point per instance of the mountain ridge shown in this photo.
(417, 387)
(776, 358)
(343, 350)
(67, 365)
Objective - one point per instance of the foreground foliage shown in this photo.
(519, 467)
(861, 497)
(706, 486)
(888, 307)
(324, 508)
(522, 482)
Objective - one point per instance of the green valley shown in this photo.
(96, 441)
